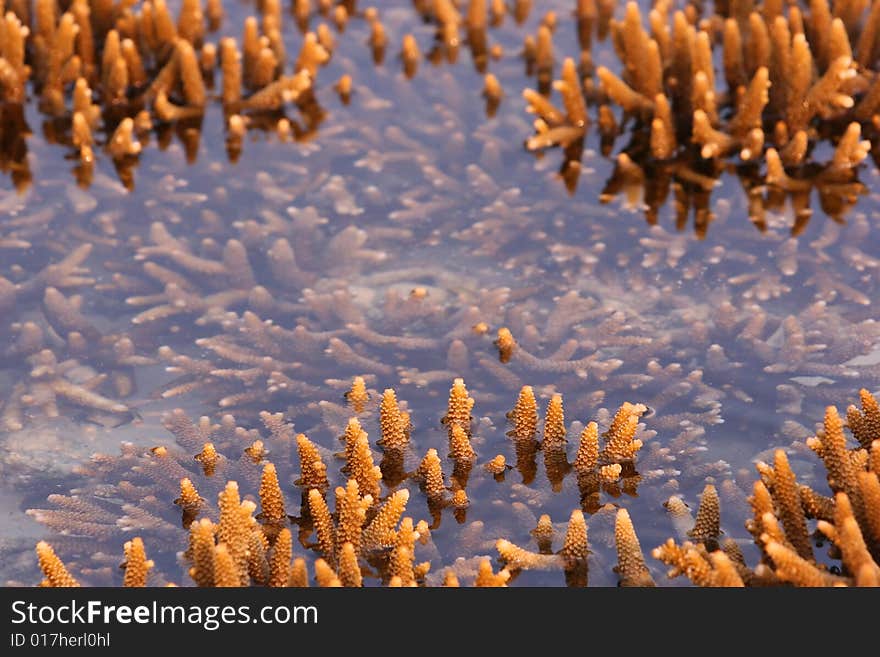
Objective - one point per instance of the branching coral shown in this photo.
(779, 526)
(148, 59)
(291, 285)
(53, 569)
(242, 549)
(782, 82)
(630, 561)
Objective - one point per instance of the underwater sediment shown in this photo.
(229, 213)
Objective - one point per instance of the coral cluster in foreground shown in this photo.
(371, 535)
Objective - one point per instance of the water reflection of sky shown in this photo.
(737, 340)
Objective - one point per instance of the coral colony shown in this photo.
(340, 295)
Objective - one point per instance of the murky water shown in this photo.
(736, 328)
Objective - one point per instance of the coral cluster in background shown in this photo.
(791, 76)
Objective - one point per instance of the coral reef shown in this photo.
(366, 537)
(788, 71)
(270, 219)
(781, 508)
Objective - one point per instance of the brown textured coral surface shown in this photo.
(227, 231)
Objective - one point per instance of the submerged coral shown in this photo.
(371, 537)
(366, 535)
(781, 507)
(792, 79)
(245, 233)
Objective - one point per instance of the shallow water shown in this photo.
(410, 185)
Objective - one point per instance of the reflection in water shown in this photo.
(689, 192)
(13, 145)
(249, 228)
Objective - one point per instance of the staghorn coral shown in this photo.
(676, 50)
(630, 561)
(53, 569)
(351, 514)
(226, 572)
(703, 568)
(190, 501)
(789, 567)
(257, 560)
(349, 570)
(587, 457)
(506, 344)
(353, 510)
(208, 458)
(299, 574)
(554, 424)
(830, 446)
(487, 578)
(459, 446)
(517, 558)
(571, 555)
(848, 537)
(707, 526)
(137, 566)
(430, 471)
(543, 534)
(865, 422)
(280, 559)
(160, 67)
(314, 472)
(524, 415)
(233, 533)
(357, 395)
(401, 560)
(774, 87)
(360, 467)
(780, 480)
(271, 497)
(780, 509)
(394, 430)
(601, 311)
(620, 444)
(379, 532)
(459, 407)
(201, 552)
(239, 552)
(323, 524)
(497, 466)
